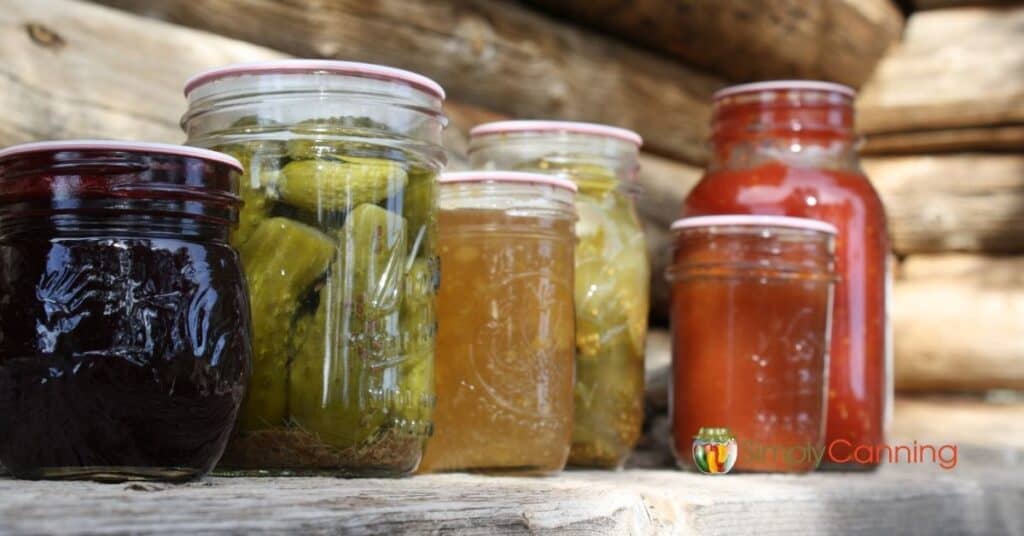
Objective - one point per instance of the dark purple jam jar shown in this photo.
(124, 318)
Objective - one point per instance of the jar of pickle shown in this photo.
(337, 239)
(612, 271)
(125, 320)
(789, 148)
(751, 306)
(504, 370)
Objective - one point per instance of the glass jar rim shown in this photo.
(458, 177)
(784, 85)
(573, 127)
(309, 66)
(753, 220)
(137, 147)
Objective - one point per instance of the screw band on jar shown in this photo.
(752, 246)
(60, 146)
(348, 68)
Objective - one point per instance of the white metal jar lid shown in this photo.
(741, 220)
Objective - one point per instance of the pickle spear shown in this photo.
(320, 138)
(418, 331)
(420, 210)
(373, 258)
(339, 185)
(282, 260)
(343, 380)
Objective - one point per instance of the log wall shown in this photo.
(495, 55)
(839, 40)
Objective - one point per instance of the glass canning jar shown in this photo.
(751, 305)
(612, 270)
(124, 321)
(789, 148)
(504, 371)
(337, 239)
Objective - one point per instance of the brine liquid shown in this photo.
(504, 369)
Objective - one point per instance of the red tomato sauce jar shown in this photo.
(751, 306)
(124, 317)
(788, 148)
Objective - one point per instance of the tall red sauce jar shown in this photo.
(788, 148)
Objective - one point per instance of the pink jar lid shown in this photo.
(507, 176)
(124, 146)
(577, 127)
(785, 85)
(733, 220)
(351, 68)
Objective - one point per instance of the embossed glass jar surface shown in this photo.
(124, 321)
(612, 280)
(337, 242)
(504, 372)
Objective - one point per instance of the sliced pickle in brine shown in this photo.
(282, 261)
(339, 185)
(373, 245)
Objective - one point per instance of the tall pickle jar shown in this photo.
(612, 271)
(337, 240)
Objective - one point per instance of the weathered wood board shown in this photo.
(954, 68)
(497, 55)
(958, 322)
(742, 40)
(956, 202)
(898, 499)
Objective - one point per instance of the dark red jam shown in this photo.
(124, 321)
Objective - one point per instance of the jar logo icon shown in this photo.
(715, 450)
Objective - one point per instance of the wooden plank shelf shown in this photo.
(922, 499)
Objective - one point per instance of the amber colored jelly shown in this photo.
(505, 342)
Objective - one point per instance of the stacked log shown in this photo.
(838, 40)
(496, 55)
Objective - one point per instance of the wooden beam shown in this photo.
(742, 40)
(944, 4)
(75, 70)
(956, 202)
(967, 421)
(957, 323)
(955, 68)
(496, 55)
(991, 138)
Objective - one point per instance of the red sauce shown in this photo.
(831, 190)
(750, 317)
